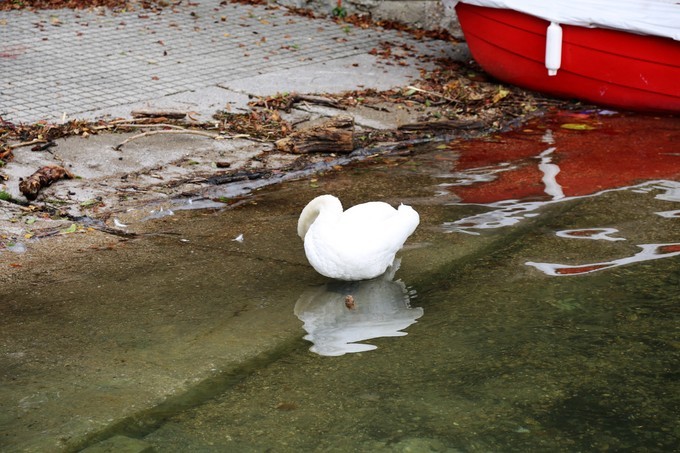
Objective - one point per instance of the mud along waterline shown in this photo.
(504, 357)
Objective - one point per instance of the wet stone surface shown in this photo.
(187, 339)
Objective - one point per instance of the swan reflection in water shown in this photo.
(339, 314)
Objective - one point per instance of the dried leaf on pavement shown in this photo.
(44, 177)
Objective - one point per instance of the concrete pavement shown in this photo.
(201, 56)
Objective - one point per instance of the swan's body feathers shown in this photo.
(357, 244)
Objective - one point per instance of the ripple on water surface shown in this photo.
(503, 357)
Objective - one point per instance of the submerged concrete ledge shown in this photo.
(97, 332)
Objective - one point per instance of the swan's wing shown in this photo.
(376, 236)
(366, 213)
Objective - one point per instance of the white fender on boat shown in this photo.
(553, 48)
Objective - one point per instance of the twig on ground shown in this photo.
(294, 98)
(183, 131)
(376, 107)
(442, 125)
(132, 122)
(32, 142)
(151, 113)
(431, 93)
(141, 126)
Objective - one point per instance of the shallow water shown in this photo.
(504, 358)
(500, 354)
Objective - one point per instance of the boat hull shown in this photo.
(602, 66)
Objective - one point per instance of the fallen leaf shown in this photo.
(577, 127)
(44, 177)
(90, 203)
(71, 229)
(502, 93)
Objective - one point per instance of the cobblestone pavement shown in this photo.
(59, 64)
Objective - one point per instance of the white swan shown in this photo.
(357, 244)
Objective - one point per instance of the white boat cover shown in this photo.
(648, 17)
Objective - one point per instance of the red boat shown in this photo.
(604, 66)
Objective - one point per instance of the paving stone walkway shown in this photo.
(58, 64)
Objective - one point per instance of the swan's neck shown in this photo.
(322, 205)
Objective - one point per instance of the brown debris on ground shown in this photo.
(286, 101)
(44, 177)
(335, 135)
(366, 21)
(263, 124)
(452, 94)
(115, 5)
(453, 91)
(452, 97)
(14, 136)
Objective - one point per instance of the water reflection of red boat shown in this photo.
(619, 152)
(563, 158)
(603, 66)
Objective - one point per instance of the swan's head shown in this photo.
(313, 209)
